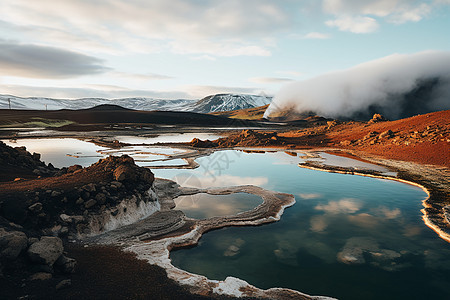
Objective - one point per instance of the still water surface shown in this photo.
(347, 236)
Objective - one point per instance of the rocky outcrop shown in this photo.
(38, 215)
(46, 251)
(246, 138)
(377, 118)
(12, 243)
(18, 162)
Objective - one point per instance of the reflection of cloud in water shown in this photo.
(364, 220)
(189, 180)
(235, 248)
(412, 231)
(437, 260)
(318, 223)
(309, 196)
(388, 213)
(346, 205)
(287, 252)
(288, 248)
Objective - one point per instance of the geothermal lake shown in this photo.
(347, 236)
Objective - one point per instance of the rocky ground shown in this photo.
(423, 139)
(45, 208)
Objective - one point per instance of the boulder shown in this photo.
(377, 118)
(11, 244)
(46, 251)
(66, 264)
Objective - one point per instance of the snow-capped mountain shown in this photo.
(213, 103)
(227, 102)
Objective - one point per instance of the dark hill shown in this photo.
(113, 114)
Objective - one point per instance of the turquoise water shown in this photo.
(349, 237)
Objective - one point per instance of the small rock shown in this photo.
(65, 218)
(387, 134)
(79, 201)
(90, 203)
(41, 276)
(55, 194)
(66, 264)
(37, 207)
(90, 187)
(101, 198)
(64, 284)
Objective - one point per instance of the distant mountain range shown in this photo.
(209, 104)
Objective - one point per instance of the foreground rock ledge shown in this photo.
(152, 240)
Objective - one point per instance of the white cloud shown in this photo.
(309, 196)
(290, 73)
(317, 36)
(346, 206)
(269, 80)
(88, 91)
(190, 180)
(141, 77)
(200, 91)
(410, 15)
(358, 16)
(133, 26)
(354, 24)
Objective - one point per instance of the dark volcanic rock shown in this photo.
(12, 243)
(46, 251)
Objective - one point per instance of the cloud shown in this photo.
(309, 196)
(359, 16)
(90, 91)
(45, 62)
(290, 73)
(200, 91)
(269, 80)
(388, 213)
(398, 11)
(354, 24)
(397, 86)
(317, 36)
(318, 223)
(143, 77)
(345, 206)
(190, 180)
(153, 26)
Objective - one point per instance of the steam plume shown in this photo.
(397, 86)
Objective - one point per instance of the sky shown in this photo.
(193, 48)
